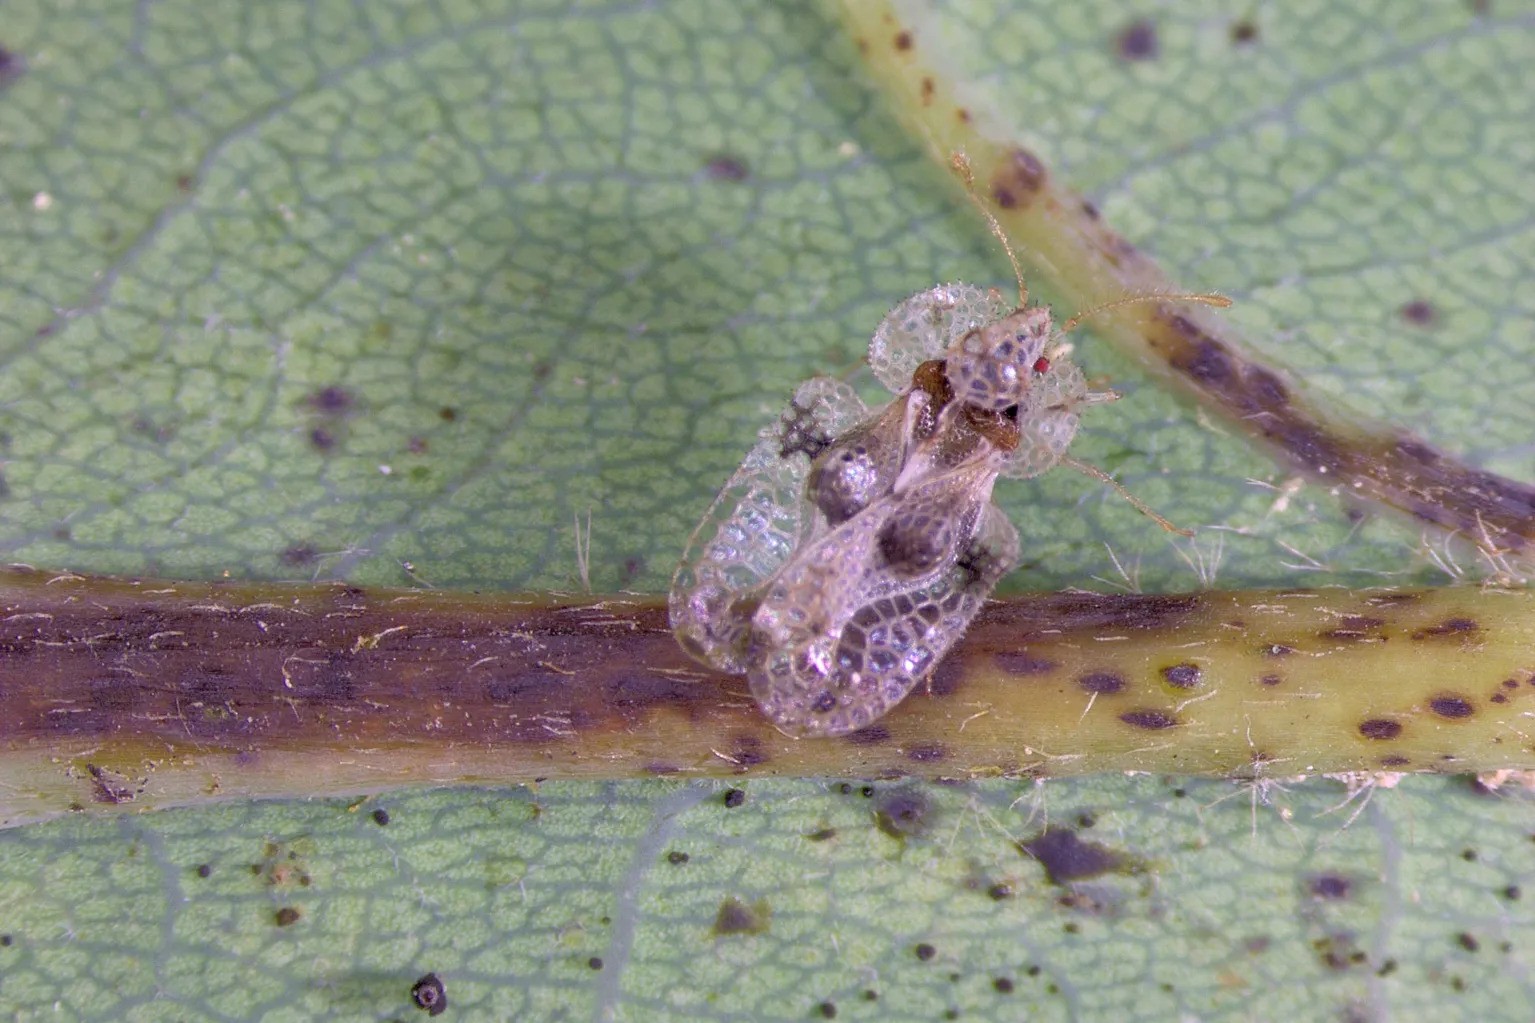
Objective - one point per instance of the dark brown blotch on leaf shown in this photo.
(1066, 858)
(736, 917)
(903, 813)
(1138, 40)
(429, 995)
(1332, 887)
(727, 167)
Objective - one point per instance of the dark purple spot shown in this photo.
(1512, 893)
(1498, 698)
(1066, 857)
(286, 917)
(1467, 941)
(1003, 985)
(1394, 760)
(1000, 891)
(322, 439)
(1267, 389)
(824, 703)
(417, 445)
(1183, 676)
(903, 41)
(594, 963)
(11, 67)
(1380, 728)
(1138, 41)
(381, 817)
(929, 754)
(1330, 886)
(734, 798)
(1448, 627)
(828, 1010)
(1450, 705)
(1149, 719)
(727, 167)
(746, 751)
(925, 952)
(204, 870)
(1102, 682)
(736, 917)
(331, 401)
(1270, 680)
(1019, 178)
(676, 857)
(1024, 664)
(1419, 313)
(429, 995)
(1243, 32)
(870, 736)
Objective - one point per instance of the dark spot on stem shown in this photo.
(1138, 40)
(1276, 650)
(727, 167)
(1380, 728)
(1016, 182)
(1024, 664)
(1183, 676)
(429, 995)
(873, 735)
(1101, 682)
(1066, 857)
(1270, 680)
(1153, 720)
(1448, 627)
(1451, 705)
(931, 753)
(736, 917)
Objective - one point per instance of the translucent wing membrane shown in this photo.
(1047, 420)
(754, 524)
(926, 325)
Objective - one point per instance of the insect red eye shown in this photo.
(1041, 364)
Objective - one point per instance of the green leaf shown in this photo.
(313, 290)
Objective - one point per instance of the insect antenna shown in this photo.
(1219, 301)
(961, 164)
(1140, 506)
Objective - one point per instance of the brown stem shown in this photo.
(119, 693)
(1060, 236)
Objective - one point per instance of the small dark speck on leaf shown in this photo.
(734, 798)
(331, 401)
(429, 995)
(924, 951)
(287, 916)
(299, 554)
(6, 940)
(1066, 857)
(902, 813)
(11, 67)
(1469, 855)
(736, 917)
(1003, 985)
(1330, 886)
(594, 963)
(727, 167)
(1467, 941)
(447, 413)
(676, 857)
(381, 817)
(828, 1010)
(1138, 41)
(1244, 32)
(822, 834)
(322, 439)
(204, 870)
(1512, 893)
(1419, 313)
(1000, 891)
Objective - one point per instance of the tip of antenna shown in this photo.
(961, 164)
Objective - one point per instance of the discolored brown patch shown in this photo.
(447, 413)
(928, 88)
(1018, 180)
(903, 41)
(1067, 858)
(287, 916)
(903, 813)
(736, 917)
(1183, 676)
(1152, 720)
(298, 555)
(1138, 41)
(1270, 680)
(1447, 628)
(1380, 729)
(1452, 706)
(1101, 682)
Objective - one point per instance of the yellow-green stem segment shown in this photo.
(128, 694)
(1059, 235)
